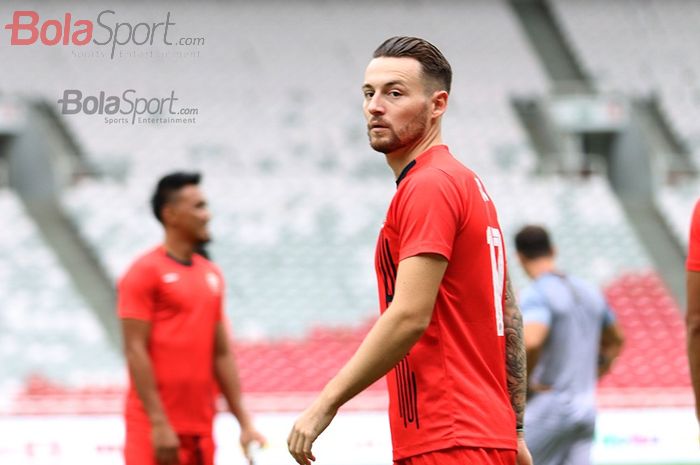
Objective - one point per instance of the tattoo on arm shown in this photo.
(516, 364)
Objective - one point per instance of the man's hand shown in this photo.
(249, 435)
(312, 422)
(165, 444)
(524, 457)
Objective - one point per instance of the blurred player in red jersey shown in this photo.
(170, 302)
(450, 335)
(692, 315)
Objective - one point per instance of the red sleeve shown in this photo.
(428, 215)
(136, 294)
(693, 263)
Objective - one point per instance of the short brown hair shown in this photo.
(533, 242)
(433, 63)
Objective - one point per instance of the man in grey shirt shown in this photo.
(571, 338)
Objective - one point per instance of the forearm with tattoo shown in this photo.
(516, 364)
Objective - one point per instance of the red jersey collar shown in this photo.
(167, 255)
(423, 157)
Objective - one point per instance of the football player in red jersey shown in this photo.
(170, 302)
(692, 315)
(450, 336)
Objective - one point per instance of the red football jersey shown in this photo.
(183, 303)
(693, 263)
(450, 390)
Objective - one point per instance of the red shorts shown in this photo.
(194, 449)
(462, 456)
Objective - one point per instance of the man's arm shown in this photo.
(516, 368)
(165, 442)
(226, 372)
(692, 319)
(392, 336)
(535, 334)
(611, 341)
(535, 330)
(516, 362)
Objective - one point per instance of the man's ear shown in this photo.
(439, 102)
(168, 213)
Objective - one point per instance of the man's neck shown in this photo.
(541, 266)
(178, 248)
(398, 160)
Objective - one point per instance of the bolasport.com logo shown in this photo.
(106, 30)
(127, 108)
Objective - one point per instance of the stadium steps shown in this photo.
(79, 262)
(641, 49)
(543, 137)
(665, 143)
(57, 125)
(650, 136)
(546, 38)
(42, 158)
(46, 328)
(660, 242)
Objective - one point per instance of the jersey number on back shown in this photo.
(495, 241)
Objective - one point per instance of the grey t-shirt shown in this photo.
(575, 313)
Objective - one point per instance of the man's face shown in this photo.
(188, 213)
(396, 105)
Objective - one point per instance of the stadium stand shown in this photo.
(595, 240)
(641, 48)
(47, 334)
(653, 368)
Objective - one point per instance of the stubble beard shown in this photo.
(406, 136)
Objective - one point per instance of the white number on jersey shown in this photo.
(482, 190)
(495, 241)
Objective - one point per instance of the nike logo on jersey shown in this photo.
(170, 278)
(213, 282)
